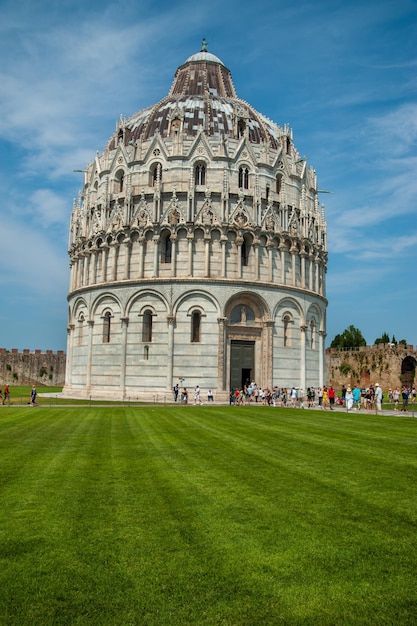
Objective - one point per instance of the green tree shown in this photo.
(383, 339)
(393, 340)
(403, 341)
(350, 338)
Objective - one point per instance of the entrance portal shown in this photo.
(242, 363)
(408, 368)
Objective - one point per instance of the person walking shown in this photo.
(349, 399)
(176, 390)
(320, 396)
(331, 392)
(197, 395)
(33, 395)
(396, 398)
(378, 398)
(356, 397)
(294, 397)
(405, 394)
(325, 399)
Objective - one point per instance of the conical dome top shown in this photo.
(203, 73)
(202, 98)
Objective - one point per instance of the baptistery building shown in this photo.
(197, 251)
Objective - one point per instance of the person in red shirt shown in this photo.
(331, 393)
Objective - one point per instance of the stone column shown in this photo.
(76, 271)
(207, 240)
(223, 242)
(141, 242)
(293, 252)
(170, 355)
(155, 255)
(256, 263)
(93, 267)
(310, 271)
(190, 239)
(70, 347)
(316, 274)
(303, 330)
(123, 350)
(322, 360)
(90, 324)
(174, 255)
(222, 383)
(322, 279)
(268, 353)
(128, 249)
(114, 253)
(238, 243)
(282, 248)
(99, 264)
(105, 256)
(80, 270)
(270, 247)
(86, 258)
(303, 269)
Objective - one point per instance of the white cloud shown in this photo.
(30, 261)
(395, 132)
(49, 207)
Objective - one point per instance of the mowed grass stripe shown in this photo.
(202, 515)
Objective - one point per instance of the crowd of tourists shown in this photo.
(406, 395)
(371, 397)
(325, 398)
(294, 397)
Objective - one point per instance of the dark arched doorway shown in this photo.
(408, 369)
(246, 341)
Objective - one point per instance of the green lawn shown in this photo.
(232, 516)
(49, 396)
(20, 394)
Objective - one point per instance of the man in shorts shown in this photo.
(197, 395)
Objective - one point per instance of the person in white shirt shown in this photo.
(349, 399)
(378, 398)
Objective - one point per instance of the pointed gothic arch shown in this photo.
(200, 174)
(243, 177)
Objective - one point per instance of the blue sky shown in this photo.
(342, 74)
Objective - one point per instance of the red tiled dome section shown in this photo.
(204, 98)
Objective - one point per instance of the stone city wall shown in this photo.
(32, 367)
(387, 364)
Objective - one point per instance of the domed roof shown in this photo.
(204, 56)
(202, 98)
